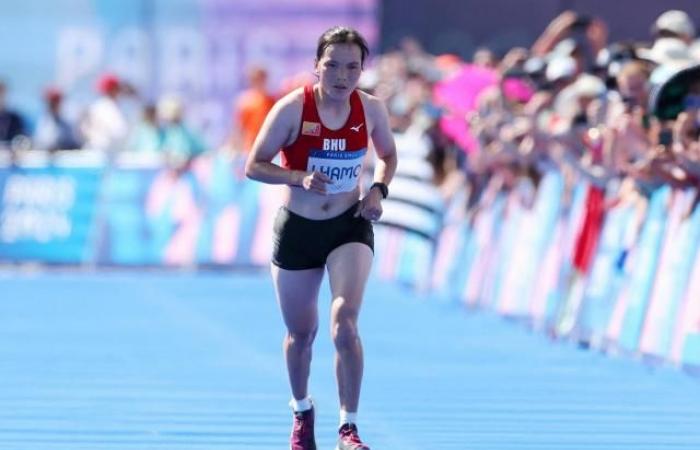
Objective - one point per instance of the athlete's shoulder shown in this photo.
(366, 97)
(290, 106)
(372, 104)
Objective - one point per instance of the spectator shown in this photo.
(53, 132)
(629, 121)
(251, 109)
(105, 126)
(673, 33)
(674, 24)
(180, 144)
(11, 123)
(483, 57)
(147, 136)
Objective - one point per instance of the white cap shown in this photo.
(666, 50)
(562, 67)
(170, 108)
(589, 86)
(534, 64)
(676, 21)
(566, 104)
(565, 47)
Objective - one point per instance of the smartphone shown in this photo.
(665, 137)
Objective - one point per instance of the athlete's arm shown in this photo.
(385, 149)
(279, 129)
(383, 140)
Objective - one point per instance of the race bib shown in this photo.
(343, 168)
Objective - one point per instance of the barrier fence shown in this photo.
(638, 294)
(629, 284)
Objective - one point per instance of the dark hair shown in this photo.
(341, 35)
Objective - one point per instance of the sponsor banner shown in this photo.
(631, 306)
(515, 245)
(535, 232)
(543, 304)
(415, 261)
(464, 263)
(157, 216)
(508, 244)
(679, 249)
(269, 202)
(449, 248)
(403, 256)
(685, 347)
(571, 222)
(387, 250)
(487, 234)
(448, 254)
(47, 214)
(606, 272)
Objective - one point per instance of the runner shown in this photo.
(322, 131)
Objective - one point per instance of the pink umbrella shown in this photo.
(457, 96)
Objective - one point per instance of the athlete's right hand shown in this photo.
(316, 182)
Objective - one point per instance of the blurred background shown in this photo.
(200, 50)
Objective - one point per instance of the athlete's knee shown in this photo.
(345, 334)
(300, 338)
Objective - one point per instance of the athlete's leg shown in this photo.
(348, 269)
(297, 295)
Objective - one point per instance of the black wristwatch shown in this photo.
(382, 188)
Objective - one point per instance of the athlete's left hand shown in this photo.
(370, 206)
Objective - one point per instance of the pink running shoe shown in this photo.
(349, 439)
(303, 431)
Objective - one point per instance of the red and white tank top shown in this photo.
(337, 153)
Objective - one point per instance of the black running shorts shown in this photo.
(301, 243)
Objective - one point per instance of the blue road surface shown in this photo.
(179, 360)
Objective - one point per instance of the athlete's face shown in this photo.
(339, 69)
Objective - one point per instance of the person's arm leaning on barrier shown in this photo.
(686, 145)
(627, 143)
(598, 173)
(658, 165)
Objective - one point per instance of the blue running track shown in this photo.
(170, 360)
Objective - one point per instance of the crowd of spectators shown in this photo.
(603, 110)
(621, 119)
(572, 100)
(107, 126)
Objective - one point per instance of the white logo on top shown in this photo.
(356, 128)
(336, 145)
